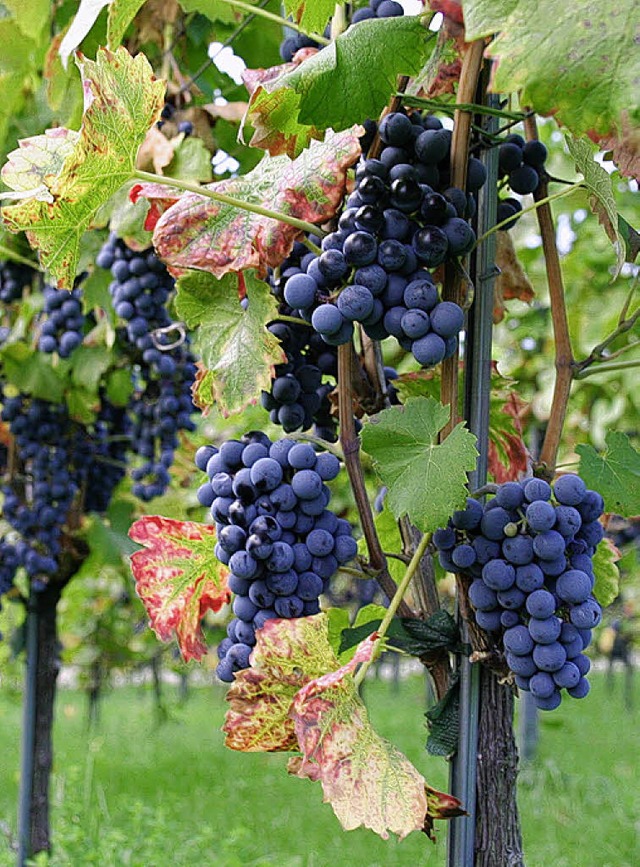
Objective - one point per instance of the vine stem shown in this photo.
(467, 88)
(151, 178)
(394, 605)
(538, 204)
(563, 352)
(351, 450)
(277, 19)
(282, 317)
(607, 368)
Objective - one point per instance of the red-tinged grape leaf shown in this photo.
(211, 236)
(440, 805)
(36, 161)
(366, 779)
(362, 63)
(311, 15)
(426, 481)
(512, 281)
(601, 199)
(160, 198)
(451, 9)
(272, 114)
(288, 654)
(233, 342)
(508, 458)
(624, 147)
(178, 578)
(122, 100)
(615, 474)
(590, 46)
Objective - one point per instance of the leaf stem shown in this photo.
(394, 606)
(276, 19)
(537, 204)
(451, 107)
(318, 441)
(295, 320)
(563, 351)
(351, 448)
(605, 367)
(597, 353)
(151, 178)
(311, 246)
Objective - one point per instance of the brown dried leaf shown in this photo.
(512, 282)
(156, 151)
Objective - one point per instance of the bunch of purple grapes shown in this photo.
(299, 393)
(14, 278)
(522, 163)
(402, 219)
(529, 553)
(275, 533)
(63, 328)
(161, 405)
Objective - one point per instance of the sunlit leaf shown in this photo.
(36, 162)
(606, 572)
(123, 99)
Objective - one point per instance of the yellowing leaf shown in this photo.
(607, 575)
(178, 578)
(121, 14)
(122, 101)
(366, 779)
(288, 654)
(33, 166)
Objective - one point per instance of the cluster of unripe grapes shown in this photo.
(275, 533)
(528, 552)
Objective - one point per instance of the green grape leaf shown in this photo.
(287, 110)
(123, 100)
(31, 372)
(615, 474)
(31, 16)
(337, 622)
(232, 342)
(311, 15)
(390, 539)
(591, 46)
(196, 232)
(600, 185)
(288, 654)
(607, 574)
(416, 637)
(426, 481)
(443, 720)
(82, 404)
(214, 10)
(191, 162)
(178, 578)
(88, 364)
(121, 14)
(366, 779)
(119, 386)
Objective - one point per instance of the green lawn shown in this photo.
(134, 793)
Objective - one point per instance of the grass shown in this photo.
(135, 793)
